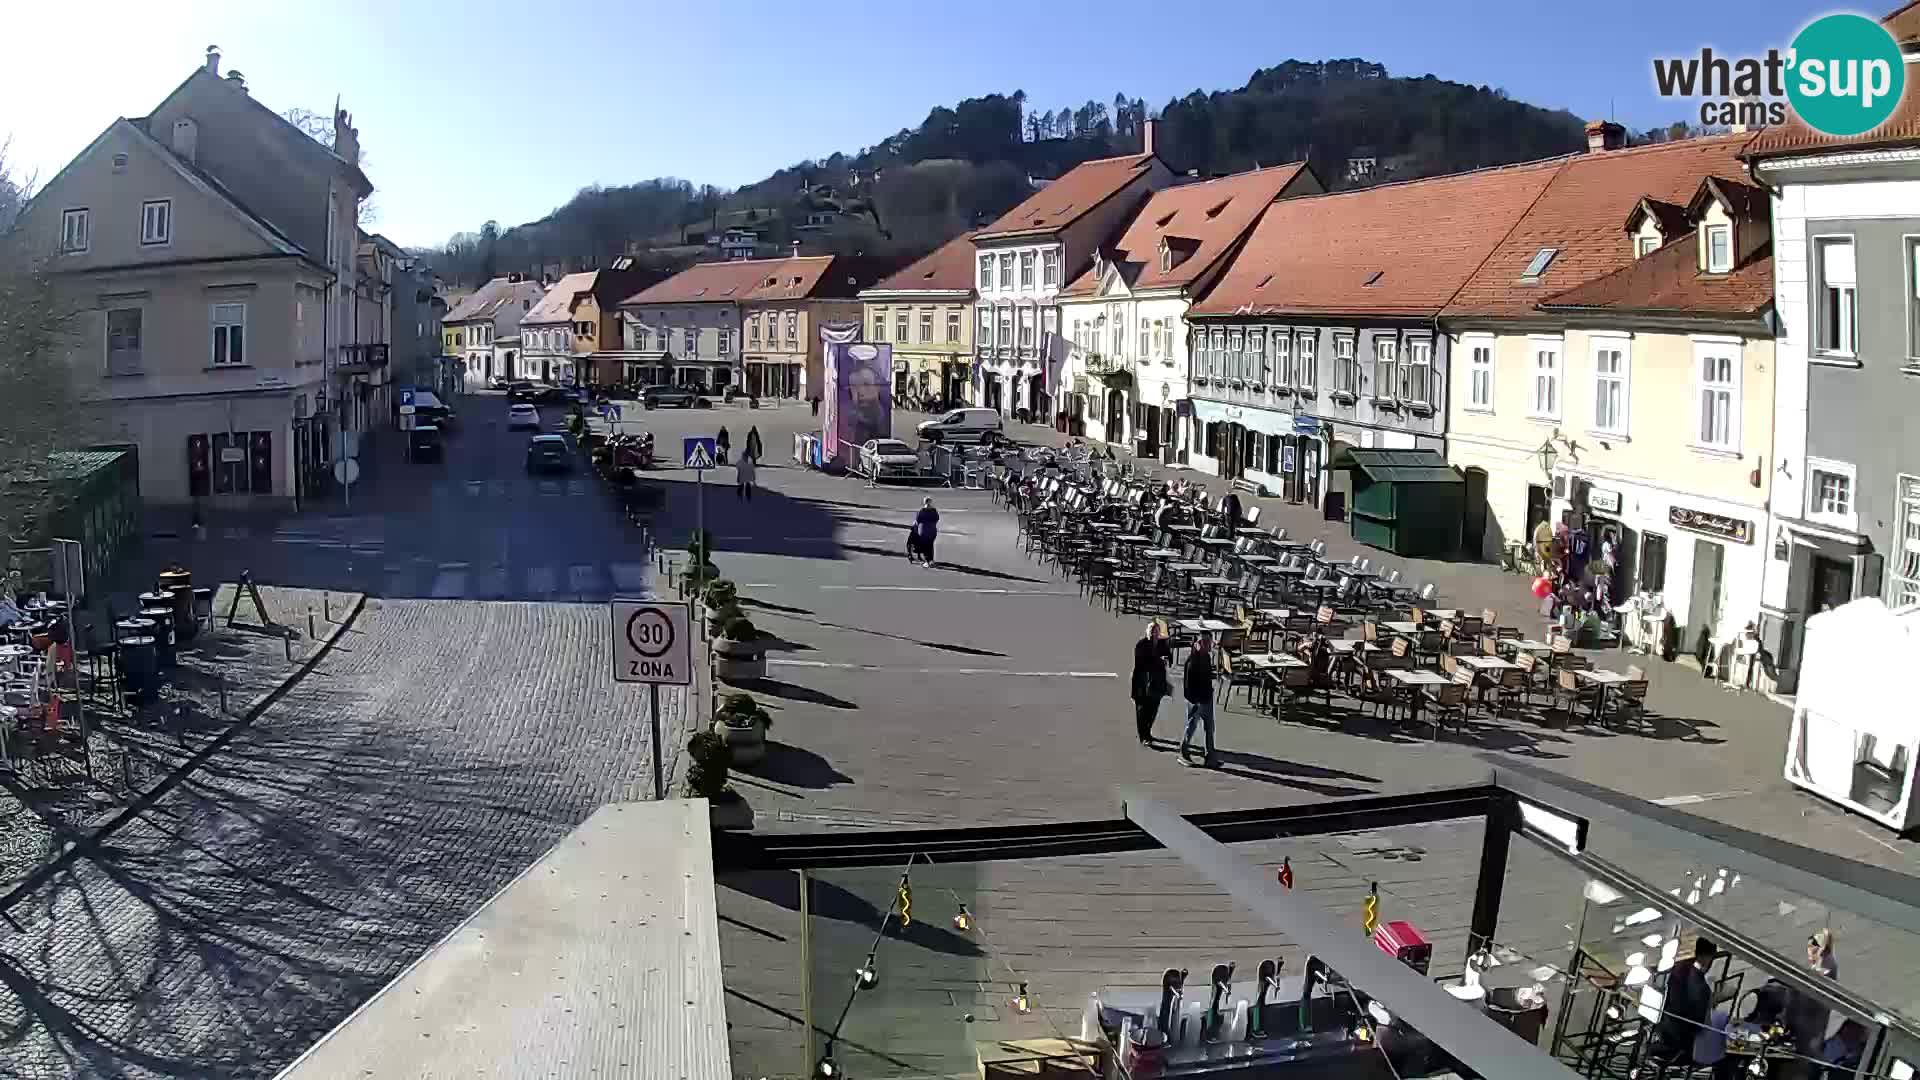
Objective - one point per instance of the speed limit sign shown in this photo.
(651, 643)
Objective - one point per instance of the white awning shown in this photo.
(1253, 418)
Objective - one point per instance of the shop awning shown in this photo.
(1399, 466)
(1264, 421)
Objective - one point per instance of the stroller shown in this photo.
(919, 548)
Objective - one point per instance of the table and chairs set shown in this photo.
(1267, 598)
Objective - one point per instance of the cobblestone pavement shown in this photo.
(351, 826)
(53, 798)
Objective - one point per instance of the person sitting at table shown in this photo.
(1689, 1001)
(9, 613)
(1319, 660)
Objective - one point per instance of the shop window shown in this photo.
(241, 462)
(1653, 563)
(1835, 316)
(1905, 586)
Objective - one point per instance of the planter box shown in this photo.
(749, 744)
(739, 661)
(730, 814)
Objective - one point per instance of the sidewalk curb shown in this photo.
(154, 794)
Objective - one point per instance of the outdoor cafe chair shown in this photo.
(1295, 686)
(1512, 684)
(1427, 592)
(1630, 701)
(1569, 695)
(1445, 701)
(1433, 644)
(1531, 671)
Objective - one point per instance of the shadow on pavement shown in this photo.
(783, 609)
(780, 688)
(797, 766)
(831, 901)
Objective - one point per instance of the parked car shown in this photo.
(429, 409)
(548, 453)
(521, 415)
(963, 425)
(497, 382)
(520, 391)
(551, 395)
(665, 397)
(425, 443)
(889, 457)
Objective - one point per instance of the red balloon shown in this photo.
(1542, 588)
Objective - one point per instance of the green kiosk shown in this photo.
(1409, 502)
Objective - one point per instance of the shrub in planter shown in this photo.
(710, 758)
(743, 724)
(721, 594)
(738, 653)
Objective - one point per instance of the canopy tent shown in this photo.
(1854, 736)
(1409, 502)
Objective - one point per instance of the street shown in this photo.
(467, 721)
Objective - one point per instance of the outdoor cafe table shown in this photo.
(1256, 560)
(10, 653)
(1196, 627)
(1269, 661)
(1163, 553)
(1538, 648)
(1485, 663)
(1186, 567)
(1412, 679)
(1107, 526)
(1133, 538)
(1211, 583)
(1442, 613)
(1406, 628)
(1606, 681)
(1184, 530)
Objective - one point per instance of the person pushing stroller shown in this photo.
(921, 534)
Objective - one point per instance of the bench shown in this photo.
(1241, 483)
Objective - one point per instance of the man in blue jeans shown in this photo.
(1198, 679)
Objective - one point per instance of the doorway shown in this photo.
(1703, 604)
(1830, 584)
(1538, 500)
(1473, 531)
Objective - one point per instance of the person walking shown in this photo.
(1230, 512)
(1151, 655)
(743, 470)
(926, 526)
(723, 442)
(815, 402)
(1198, 684)
(752, 446)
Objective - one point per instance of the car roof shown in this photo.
(426, 427)
(521, 405)
(548, 439)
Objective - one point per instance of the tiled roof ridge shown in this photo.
(1515, 166)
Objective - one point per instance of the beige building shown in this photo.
(215, 297)
(925, 313)
(1612, 367)
(483, 329)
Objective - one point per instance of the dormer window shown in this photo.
(1645, 245)
(1166, 257)
(1719, 249)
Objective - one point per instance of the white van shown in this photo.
(963, 425)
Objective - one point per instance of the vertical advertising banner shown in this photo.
(859, 392)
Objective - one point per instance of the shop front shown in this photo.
(1245, 442)
(1692, 559)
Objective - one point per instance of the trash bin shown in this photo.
(1335, 506)
(180, 584)
(138, 665)
(202, 610)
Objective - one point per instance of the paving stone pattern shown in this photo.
(434, 754)
(51, 799)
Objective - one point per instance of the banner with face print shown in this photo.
(859, 392)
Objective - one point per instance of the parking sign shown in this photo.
(651, 642)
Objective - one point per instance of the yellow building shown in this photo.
(1613, 369)
(922, 311)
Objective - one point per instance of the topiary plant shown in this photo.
(722, 593)
(741, 710)
(711, 757)
(738, 628)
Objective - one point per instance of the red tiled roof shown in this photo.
(948, 268)
(741, 280)
(1901, 128)
(1580, 215)
(1200, 221)
(1669, 281)
(557, 305)
(1063, 201)
(1316, 254)
(486, 301)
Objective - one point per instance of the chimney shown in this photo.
(213, 59)
(1605, 135)
(186, 139)
(1148, 129)
(346, 137)
(237, 80)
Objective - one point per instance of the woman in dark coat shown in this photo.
(1151, 655)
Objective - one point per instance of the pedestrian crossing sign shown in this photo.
(698, 451)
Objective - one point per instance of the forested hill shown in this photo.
(967, 163)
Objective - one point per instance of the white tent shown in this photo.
(1856, 722)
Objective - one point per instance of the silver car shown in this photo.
(889, 457)
(963, 425)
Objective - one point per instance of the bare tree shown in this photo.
(45, 408)
(319, 128)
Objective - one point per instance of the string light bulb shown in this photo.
(866, 976)
(963, 919)
(1020, 1003)
(1756, 1069)
(1361, 1033)
(826, 1069)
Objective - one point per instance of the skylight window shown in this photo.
(1374, 278)
(1162, 223)
(1218, 207)
(1263, 282)
(1541, 260)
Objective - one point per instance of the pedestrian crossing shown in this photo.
(575, 582)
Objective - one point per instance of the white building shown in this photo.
(1845, 511)
(474, 329)
(1124, 318)
(1025, 258)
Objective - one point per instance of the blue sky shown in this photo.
(477, 110)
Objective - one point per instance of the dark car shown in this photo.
(520, 391)
(550, 395)
(548, 453)
(669, 397)
(424, 443)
